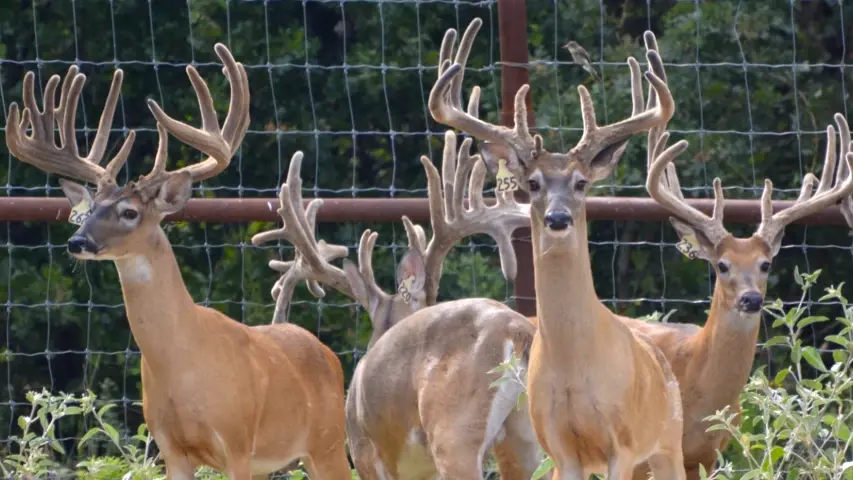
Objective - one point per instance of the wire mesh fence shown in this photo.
(347, 83)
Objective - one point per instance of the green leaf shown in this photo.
(105, 409)
(22, 423)
(777, 340)
(111, 432)
(813, 357)
(797, 278)
(776, 453)
(843, 432)
(810, 320)
(57, 447)
(838, 339)
(73, 410)
(91, 433)
(544, 467)
(781, 376)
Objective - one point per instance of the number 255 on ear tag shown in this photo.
(506, 181)
(79, 213)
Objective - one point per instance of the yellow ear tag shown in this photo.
(405, 288)
(79, 213)
(688, 246)
(506, 181)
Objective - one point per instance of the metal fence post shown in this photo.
(512, 28)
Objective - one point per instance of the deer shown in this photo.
(713, 362)
(420, 403)
(602, 397)
(244, 400)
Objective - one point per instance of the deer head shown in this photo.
(742, 265)
(557, 182)
(119, 221)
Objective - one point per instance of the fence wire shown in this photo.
(347, 82)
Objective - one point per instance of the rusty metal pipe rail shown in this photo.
(234, 210)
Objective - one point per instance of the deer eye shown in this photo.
(533, 185)
(722, 267)
(765, 266)
(580, 185)
(129, 214)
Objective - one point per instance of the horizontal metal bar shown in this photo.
(235, 210)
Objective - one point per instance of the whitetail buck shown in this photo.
(246, 400)
(713, 363)
(602, 398)
(419, 404)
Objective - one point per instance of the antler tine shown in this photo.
(842, 172)
(365, 259)
(498, 221)
(596, 138)
(41, 150)
(445, 98)
(806, 204)
(219, 145)
(312, 258)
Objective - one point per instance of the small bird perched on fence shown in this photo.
(581, 57)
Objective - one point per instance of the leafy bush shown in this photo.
(794, 426)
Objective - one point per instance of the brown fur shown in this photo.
(246, 400)
(423, 400)
(712, 363)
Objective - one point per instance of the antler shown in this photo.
(41, 150)
(452, 221)
(312, 258)
(219, 145)
(662, 180)
(808, 202)
(445, 98)
(445, 107)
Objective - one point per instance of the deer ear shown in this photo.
(412, 265)
(174, 193)
(493, 153)
(699, 245)
(75, 192)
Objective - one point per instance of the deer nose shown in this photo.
(751, 302)
(558, 220)
(78, 244)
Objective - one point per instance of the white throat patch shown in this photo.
(135, 269)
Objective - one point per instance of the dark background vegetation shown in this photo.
(755, 85)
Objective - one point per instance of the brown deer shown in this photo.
(420, 402)
(602, 398)
(245, 400)
(713, 363)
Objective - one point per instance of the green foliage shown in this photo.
(794, 425)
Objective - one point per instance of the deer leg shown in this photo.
(668, 465)
(240, 468)
(260, 477)
(329, 464)
(642, 472)
(621, 466)
(518, 452)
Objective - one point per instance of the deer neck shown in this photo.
(156, 299)
(727, 345)
(568, 309)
